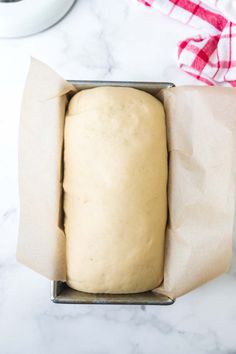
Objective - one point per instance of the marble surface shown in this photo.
(109, 40)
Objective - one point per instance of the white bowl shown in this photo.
(26, 17)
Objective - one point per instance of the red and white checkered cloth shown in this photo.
(211, 56)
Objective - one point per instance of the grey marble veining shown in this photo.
(110, 40)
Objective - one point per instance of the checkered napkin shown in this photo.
(210, 56)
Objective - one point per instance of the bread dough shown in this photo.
(115, 199)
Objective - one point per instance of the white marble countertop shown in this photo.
(108, 40)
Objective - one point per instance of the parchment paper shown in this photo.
(41, 240)
(200, 131)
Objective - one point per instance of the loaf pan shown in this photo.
(60, 292)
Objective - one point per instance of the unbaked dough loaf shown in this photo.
(115, 199)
